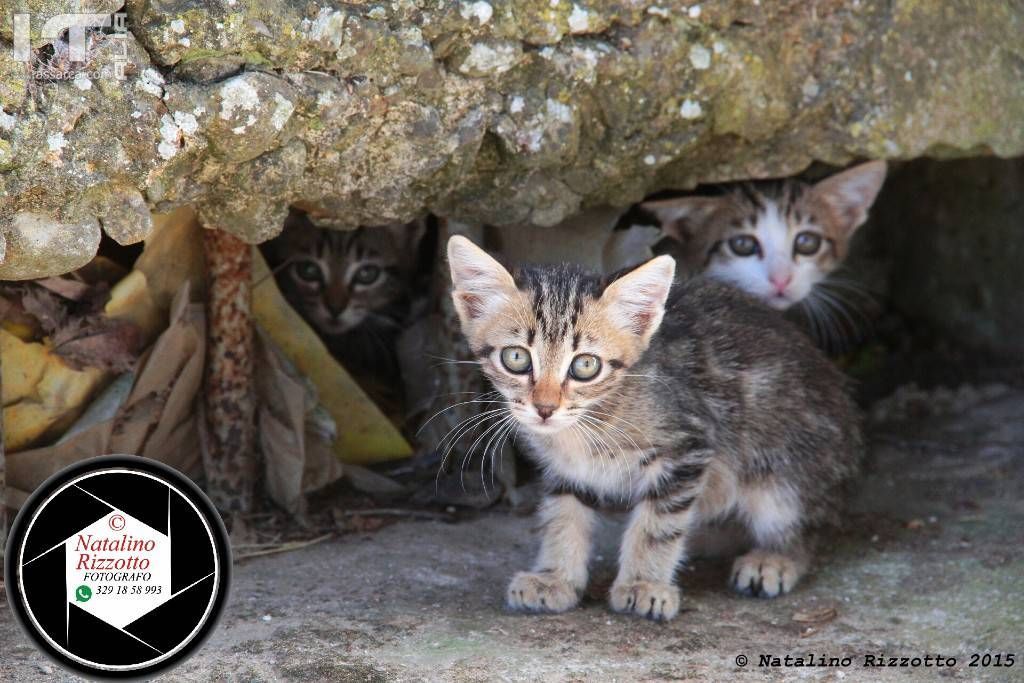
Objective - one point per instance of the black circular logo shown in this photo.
(118, 567)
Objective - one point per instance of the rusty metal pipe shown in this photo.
(227, 429)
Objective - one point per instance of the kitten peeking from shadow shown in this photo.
(355, 288)
(781, 242)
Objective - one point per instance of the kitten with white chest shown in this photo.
(777, 241)
(688, 403)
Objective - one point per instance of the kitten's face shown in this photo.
(774, 241)
(340, 280)
(555, 341)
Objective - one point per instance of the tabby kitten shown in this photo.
(355, 288)
(776, 241)
(701, 407)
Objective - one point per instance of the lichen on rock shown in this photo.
(484, 111)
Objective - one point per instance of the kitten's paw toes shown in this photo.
(760, 574)
(545, 592)
(657, 601)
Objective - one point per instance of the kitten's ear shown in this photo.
(479, 283)
(408, 235)
(636, 300)
(850, 194)
(681, 217)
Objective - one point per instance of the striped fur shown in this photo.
(776, 217)
(725, 412)
(358, 320)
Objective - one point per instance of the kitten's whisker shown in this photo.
(274, 271)
(455, 362)
(444, 410)
(852, 285)
(464, 427)
(500, 448)
(663, 380)
(475, 394)
(809, 308)
(621, 462)
(811, 313)
(504, 426)
(472, 448)
(468, 426)
(625, 422)
(854, 306)
(835, 303)
(600, 449)
(831, 337)
(466, 423)
(830, 310)
(445, 359)
(457, 428)
(590, 444)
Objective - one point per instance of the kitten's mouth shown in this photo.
(548, 427)
(552, 425)
(779, 302)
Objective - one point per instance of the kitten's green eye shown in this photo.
(308, 271)
(367, 275)
(585, 367)
(807, 243)
(516, 359)
(744, 245)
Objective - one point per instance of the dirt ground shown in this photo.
(932, 563)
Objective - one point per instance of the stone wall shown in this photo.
(502, 112)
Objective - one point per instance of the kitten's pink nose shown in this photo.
(544, 410)
(780, 282)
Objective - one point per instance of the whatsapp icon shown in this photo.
(83, 593)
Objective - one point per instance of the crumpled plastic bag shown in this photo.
(155, 420)
(151, 411)
(294, 433)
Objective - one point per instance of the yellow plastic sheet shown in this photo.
(41, 395)
(365, 435)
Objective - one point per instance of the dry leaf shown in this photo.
(15, 320)
(99, 342)
(74, 290)
(45, 307)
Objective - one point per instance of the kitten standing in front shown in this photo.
(688, 403)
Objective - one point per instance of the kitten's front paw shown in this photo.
(657, 601)
(544, 592)
(761, 574)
